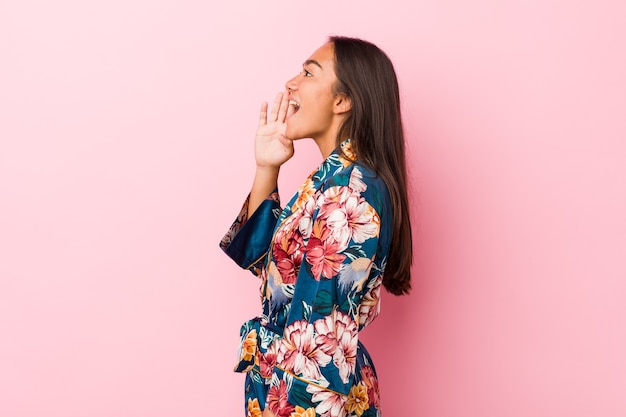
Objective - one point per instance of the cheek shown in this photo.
(324, 99)
(319, 108)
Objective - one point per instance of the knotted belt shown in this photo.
(250, 340)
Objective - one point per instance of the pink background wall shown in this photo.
(126, 134)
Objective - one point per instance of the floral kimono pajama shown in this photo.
(321, 261)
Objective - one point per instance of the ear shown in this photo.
(342, 104)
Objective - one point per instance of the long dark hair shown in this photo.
(374, 125)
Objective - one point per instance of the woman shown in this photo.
(323, 258)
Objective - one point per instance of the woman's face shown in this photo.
(311, 93)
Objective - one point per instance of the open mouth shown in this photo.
(295, 104)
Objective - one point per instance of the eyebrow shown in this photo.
(312, 62)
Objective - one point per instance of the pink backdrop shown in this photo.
(126, 134)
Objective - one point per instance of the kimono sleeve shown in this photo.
(248, 239)
(344, 261)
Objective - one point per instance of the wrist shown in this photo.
(267, 170)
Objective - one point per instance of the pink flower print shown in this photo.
(371, 382)
(362, 219)
(277, 400)
(268, 360)
(337, 336)
(324, 256)
(288, 256)
(326, 338)
(304, 221)
(356, 180)
(330, 403)
(349, 215)
(336, 218)
(347, 341)
(300, 354)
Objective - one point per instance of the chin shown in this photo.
(293, 134)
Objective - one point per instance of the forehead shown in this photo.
(325, 56)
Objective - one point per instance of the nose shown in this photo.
(292, 84)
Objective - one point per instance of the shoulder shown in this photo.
(360, 180)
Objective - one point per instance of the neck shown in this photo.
(328, 142)
(326, 147)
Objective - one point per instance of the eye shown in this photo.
(306, 73)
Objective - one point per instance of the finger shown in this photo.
(276, 107)
(263, 114)
(284, 107)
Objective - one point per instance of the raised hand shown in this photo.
(272, 148)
